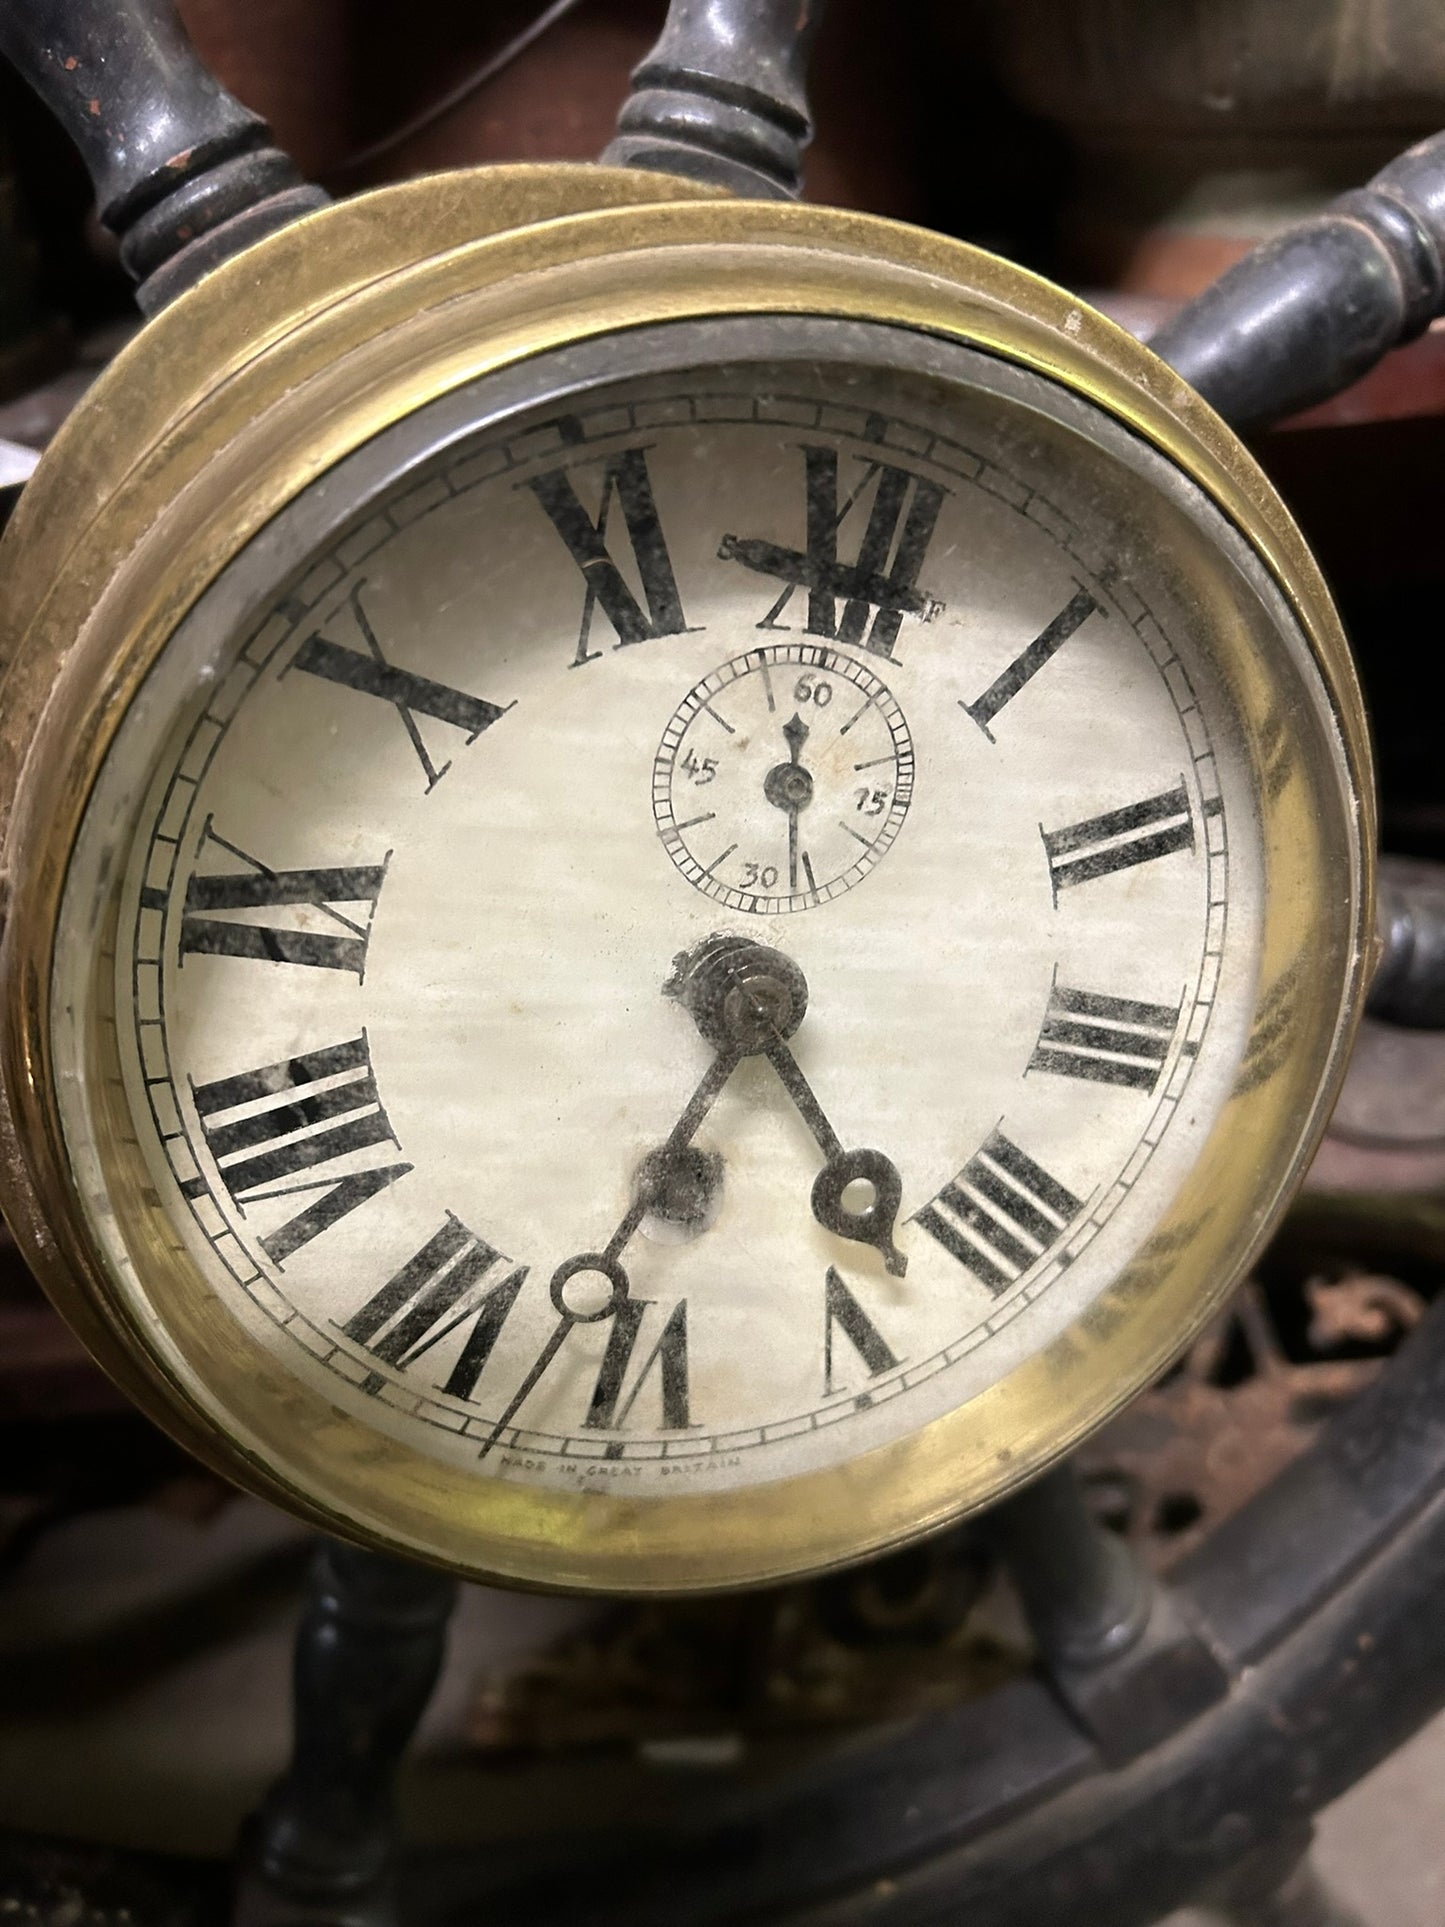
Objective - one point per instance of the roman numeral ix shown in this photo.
(1119, 839)
(410, 695)
(625, 480)
(1027, 664)
(1108, 1040)
(1000, 1214)
(270, 1126)
(333, 939)
(444, 1286)
(882, 583)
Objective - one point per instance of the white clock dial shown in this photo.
(700, 932)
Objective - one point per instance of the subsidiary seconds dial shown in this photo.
(782, 778)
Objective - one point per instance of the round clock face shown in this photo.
(693, 932)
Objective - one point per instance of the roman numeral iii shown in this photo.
(409, 695)
(446, 1285)
(333, 939)
(625, 482)
(1000, 1215)
(268, 1127)
(881, 584)
(1119, 839)
(1107, 1040)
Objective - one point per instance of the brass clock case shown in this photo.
(297, 354)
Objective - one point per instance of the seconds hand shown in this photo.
(789, 786)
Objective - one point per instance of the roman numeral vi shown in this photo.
(269, 1126)
(668, 1358)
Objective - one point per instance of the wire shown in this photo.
(463, 91)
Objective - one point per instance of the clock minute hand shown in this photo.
(607, 1263)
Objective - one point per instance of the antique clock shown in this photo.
(685, 876)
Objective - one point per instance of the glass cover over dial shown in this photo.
(699, 927)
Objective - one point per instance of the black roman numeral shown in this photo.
(1027, 665)
(1109, 1040)
(1119, 839)
(842, 1310)
(268, 1126)
(1000, 1214)
(625, 480)
(410, 695)
(207, 929)
(608, 1410)
(882, 582)
(442, 1287)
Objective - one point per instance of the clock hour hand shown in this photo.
(750, 998)
(870, 1222)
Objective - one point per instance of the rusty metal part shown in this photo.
(901, 1636)
(1190, 1452)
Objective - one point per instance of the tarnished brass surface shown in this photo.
(294, 355)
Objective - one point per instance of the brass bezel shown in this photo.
(295, 354)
